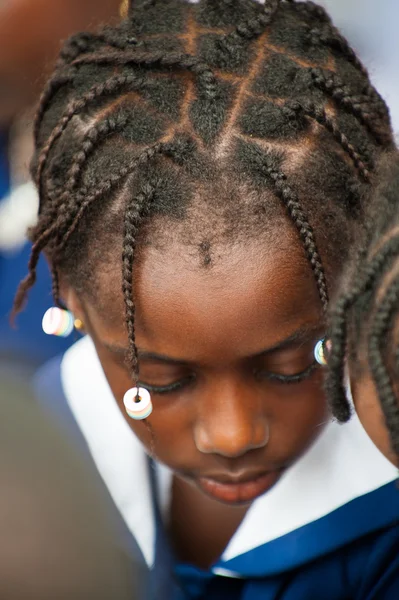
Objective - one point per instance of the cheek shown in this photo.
(371, 416)
(167, 433)
(296, 414)
(299, 415)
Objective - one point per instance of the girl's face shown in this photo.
(226, 351)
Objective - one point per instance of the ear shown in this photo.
(72, 301)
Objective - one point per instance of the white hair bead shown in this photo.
(138, 403)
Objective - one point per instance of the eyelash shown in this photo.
(167, 389)
(289, 379)
(284, 379)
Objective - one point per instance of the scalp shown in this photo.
(141, 120)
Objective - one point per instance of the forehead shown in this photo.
(244, 290)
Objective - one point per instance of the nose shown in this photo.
(230, 421)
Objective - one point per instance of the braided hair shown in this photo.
(363, 315)
(138, 118)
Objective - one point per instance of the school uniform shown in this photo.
(328, 530)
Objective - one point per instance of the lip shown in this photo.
(239, 491)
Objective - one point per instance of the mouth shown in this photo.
(239, 491)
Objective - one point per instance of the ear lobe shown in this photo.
(72, 302)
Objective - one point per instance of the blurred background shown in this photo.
(31, 32)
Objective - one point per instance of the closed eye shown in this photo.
(287, 379)
(169, 388)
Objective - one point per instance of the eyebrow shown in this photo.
(301, 335)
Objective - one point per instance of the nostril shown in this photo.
(231, 442)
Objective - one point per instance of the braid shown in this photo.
(134, 214)
(359, 106)
(49, 91)
(109, 87)
(97, 133)
(76, 45)
(68, 220)
(55, 290)
(328, 34)
(92, 138)
(313, 10)
(187, 82)
(367, 281)
(297, 215)
(320, 115)
(254, 27)
(206, 78)
(377, 343)
(84, 200)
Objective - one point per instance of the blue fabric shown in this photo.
(47, 387)
(338, 529)
(352, 553)
(367, 569)
(27, 341)
(4, 166)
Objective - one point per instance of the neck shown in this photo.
(200, 527)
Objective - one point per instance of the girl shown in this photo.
(201, 169)
(364, 323)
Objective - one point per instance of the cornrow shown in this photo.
(359, 106)
(312, 9)
(186, 82)
(67, 222)
(206, 78)
(319, 114)
(387, 308)
(50, 90)
(329, 35)
(77, 106)
(84, 200)
(252, 28)
(298, 217)
(77, 44)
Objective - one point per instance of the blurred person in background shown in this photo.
(58, 529)
(30, 32)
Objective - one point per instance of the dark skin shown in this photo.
(237, 338)
(369, 411)
(364, 391)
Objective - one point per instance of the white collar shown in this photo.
(343, 464)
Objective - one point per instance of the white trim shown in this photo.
(118, 454)
(342, 465)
